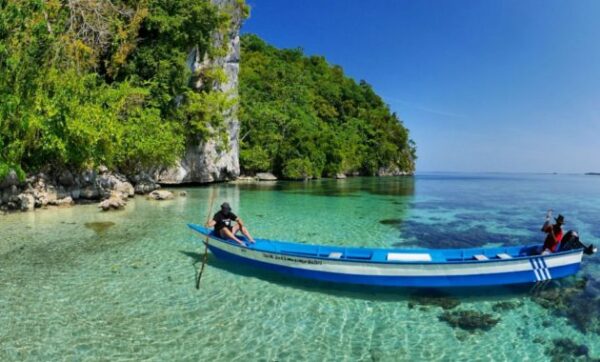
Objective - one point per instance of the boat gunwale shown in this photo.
(388, 262)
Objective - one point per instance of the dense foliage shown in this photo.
(302, 117)
(84, 82)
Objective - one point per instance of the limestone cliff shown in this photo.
(208, 161)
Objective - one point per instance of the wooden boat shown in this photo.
(400, 267)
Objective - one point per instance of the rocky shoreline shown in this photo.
(111, 190)
(65, 188)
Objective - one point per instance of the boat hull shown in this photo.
(466, 274)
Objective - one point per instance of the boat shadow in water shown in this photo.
(435, 296)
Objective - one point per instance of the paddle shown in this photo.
(205, 256)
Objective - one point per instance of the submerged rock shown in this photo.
(578, 302)
(161, 195)
(433, 298)
(451, 235)
(506, 305)
(99, 226)
(391, 221)
(469, 320)
(564, 349)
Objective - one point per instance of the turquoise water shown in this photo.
(79, 284)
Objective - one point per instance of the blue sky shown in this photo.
(509, 86)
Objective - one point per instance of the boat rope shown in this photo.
(211, 202)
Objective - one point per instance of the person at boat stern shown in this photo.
(555, 234)
(224, 227)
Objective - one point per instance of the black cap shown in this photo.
(560, 219)
(225, 206)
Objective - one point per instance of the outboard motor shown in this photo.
(571, 241)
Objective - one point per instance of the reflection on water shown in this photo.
(80, 284)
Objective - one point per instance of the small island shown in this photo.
(592, 173)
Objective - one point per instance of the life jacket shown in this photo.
(559, 237)
(550, 244)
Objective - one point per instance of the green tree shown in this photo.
(302, 117)
(85, 82)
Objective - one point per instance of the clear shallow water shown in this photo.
(125, 291)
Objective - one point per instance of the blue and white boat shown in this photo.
(400, 267)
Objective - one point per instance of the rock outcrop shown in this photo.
(27, 202)
(65, 188)
(161, 195)
(202, 162)
(209, 161)
(115, 201)
(266, 176)
(392, 171)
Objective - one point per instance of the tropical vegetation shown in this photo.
(302, 117)
(84, 82)
(90, 82)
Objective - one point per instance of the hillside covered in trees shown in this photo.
(85, 83)
(89, 82)
(302, 117)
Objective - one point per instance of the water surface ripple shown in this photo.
(78, 284)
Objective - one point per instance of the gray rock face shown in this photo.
(10, 194)
(202, 162)
(67, 201)
(89, 192)
(27, 202)
(391, 171)
(64, 188)
(125, 188)
(66, 178)
(116, 201)
(265, 176)
(48, 197)
(207, 161)
(144, 183)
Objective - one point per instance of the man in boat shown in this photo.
(555, 241)
(555, 234)
(224, 227)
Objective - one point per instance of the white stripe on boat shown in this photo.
(537, 275)
(541, 269)
(547, 271)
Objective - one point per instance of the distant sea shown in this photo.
(79, 284)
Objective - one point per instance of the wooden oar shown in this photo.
(205, 256)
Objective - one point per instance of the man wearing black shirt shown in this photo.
(223, 223)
